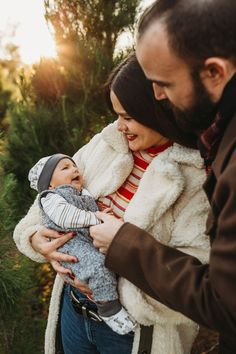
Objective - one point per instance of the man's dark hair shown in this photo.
(196, 29)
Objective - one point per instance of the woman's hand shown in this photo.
(76, 283)
(104, 233)
(47, 241)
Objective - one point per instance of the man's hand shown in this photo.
(104, 233)
(108, 211)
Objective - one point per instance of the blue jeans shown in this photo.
(84, 336)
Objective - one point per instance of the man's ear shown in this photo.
(215, 74)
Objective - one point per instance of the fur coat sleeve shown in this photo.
(25, 229)
(171, 206)
(105, 162)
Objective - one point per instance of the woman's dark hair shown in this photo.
(135, 93)
(196, 29)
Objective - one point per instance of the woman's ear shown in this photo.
(215, 74)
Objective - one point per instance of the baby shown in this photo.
(67, 206)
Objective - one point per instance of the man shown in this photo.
(188, 50)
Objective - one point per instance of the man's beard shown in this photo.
(200, 115)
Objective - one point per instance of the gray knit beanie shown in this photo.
(41, 173)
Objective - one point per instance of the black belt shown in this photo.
(83, 309)
(145, 341)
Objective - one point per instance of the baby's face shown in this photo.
(66, 172)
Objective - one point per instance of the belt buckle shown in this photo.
(85, 312)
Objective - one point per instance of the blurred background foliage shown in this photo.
(54, 105)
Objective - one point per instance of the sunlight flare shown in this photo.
(32, 35)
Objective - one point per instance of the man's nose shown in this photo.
(159, 92)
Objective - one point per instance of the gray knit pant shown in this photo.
(90, 268)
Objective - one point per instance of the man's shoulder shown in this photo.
(226, 153)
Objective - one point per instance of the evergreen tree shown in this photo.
(63, 103)
(61, 107)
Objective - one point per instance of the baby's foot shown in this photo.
(121, 322)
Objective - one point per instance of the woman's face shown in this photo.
(139, 136)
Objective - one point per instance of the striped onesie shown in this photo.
(67, 209)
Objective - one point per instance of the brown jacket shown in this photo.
(205, 293)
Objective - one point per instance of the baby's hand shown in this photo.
(108, 211)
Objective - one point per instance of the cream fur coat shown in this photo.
(169, 203)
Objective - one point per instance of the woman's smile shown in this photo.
(131, 137)
(142, 137)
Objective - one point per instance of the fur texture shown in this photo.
(169, 203)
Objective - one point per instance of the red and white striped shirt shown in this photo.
(120, 199)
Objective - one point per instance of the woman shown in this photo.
(133, 167)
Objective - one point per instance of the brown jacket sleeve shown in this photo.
(205, 293)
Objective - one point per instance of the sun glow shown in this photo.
(31, 35)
